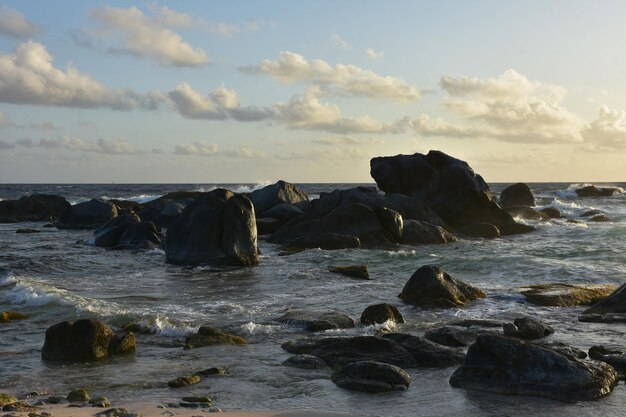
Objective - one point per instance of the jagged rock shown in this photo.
(317, 320)
(88, 215)
(209, 336)
(305, 361)
(427, 354)
(552, 212)
(527, 328)
(593, 191)
(183, 381)
(484, 230)
(353, 271)
(416, 232)
(451, 336)
(370, 376)
(35, 207)
(430, 286)
(526, 213)
(280, 193)
(380, 313)
(325, 241)
(78, 395)
(614, 303)
(517, 195)
(566, 295)
(511, 366)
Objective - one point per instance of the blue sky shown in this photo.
(246, 91)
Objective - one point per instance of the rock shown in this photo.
(35, 207)
(78, 395)
(527, 328)
(590, 213)
(101, 402)
(198, 399)
(370, 376)
(476, 323)
(566, 295)
(593, 191)
(483, 230)
(430, 286)
(164, 212)
(8, 220)
(27, 231)
(572, 221)
(448, 185)
(381, 313)
(517, 195)
(19, 406)
(416, 232)
(427, 354)
(353, 271)
(215, 371)
(109, 234)
(339, 351)
(116, 412)
(283, 212)
(325, 241)
(308, 345)
(613, 357)
(7, 316)
(510, 366)
(122, 343)
(280, 193)
(614, 303)
(515, 229)
(305, 361)
(317, 320)
(267, 225)
(526, 213)
(183, 381)
(209, 336)
(563, 349)
(451, 336)
(7, 399)
(599, 218)
(218, 227)
(552, 212)
(88, 215)
(603, 318)
(142, 235)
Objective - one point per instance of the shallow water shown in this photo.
(53, 276)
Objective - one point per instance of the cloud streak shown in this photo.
(15, 25)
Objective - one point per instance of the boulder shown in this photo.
(603, 318)
(326, 241)
(78, 395)
(552, 212)
(417, 232)
(482, 230)
(308, 345)
(164, 212)
(218, 227)
(339, 351)
(381, 313)
(88, 215)
(142, 235)
(430, 286)
(6, 399)
(209, 336)
(566, 295)
(526, 213)
(184, 381)
(427, 354)
(305, 361)
(7, 316)
(487, 323)
(613, 357)
(352, 271)
(214, 371)
(371, 376)
(599, 218)
(451, 336)
(34, 207)
(283, 212)
(614, 303)
(279, 193)
(527, 328)
(108, 235)
(517, 195)
(590, 213)
(267, 225)
(317, 320)
(508, 365)
(593, 191)
(515, 229)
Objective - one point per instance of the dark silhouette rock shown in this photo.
(108, 235)
(88, 215)
(590, 213)
(510, 366)
(305, 361)
(163, 212)
(27, 231)
(370, 376)
(267, 225)
(352, 271)
(308, 345)
(430, 286)
(515, 229)
(142, 235)
(317, 320)
(527, 328)
(566, 295)
(517, 195)
(426, 353)
(552, 212)
(283, 212)
(209, 336)
(218, 227)
(563, 349)
(614, 303)
(339, 351)
(280, 193)
(599, 218)
(326, 241)
(380, 313)
(483, 230)
(613, 357)
(451, 336)
(35, 207)
(417, 232)
(593, 191)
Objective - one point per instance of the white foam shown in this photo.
(256, 328)
(401, 253)
(163, 327)
(570, 192)
(141, 198)
(562, 205)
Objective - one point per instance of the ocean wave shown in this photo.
(240, 189)
(400, 253)
(256, 328)
(141, 198)
(563, 205)
(570, 192)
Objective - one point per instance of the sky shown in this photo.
(309, 91)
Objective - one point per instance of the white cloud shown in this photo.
(339, 41)
(103, 146)
(15, 24)
(6, 145)
(245, 152)
(43, 126)
(28, 76)
(150, 36)
(343, 80)
(607, 131)
(424, 125)
(172, 18)
(373, 54)
(348, 140)
(197, 148)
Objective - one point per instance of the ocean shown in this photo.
(54, 276)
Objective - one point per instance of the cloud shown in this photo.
(150, 36)
(424, 125)
(348, 140)
(372, 54)
(342, 80)
(15, 25)
(245, 152)
(197, 148)
(607, 131)
(43, 126)
(28, 76)
(102, 146)
(339, 42)
(5, 145)
(3, 119)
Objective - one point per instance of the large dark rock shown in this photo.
(593, 191)
(552, 212)
(217, 228)
(507, 365)
(317, 320)
(517, 195)
(614, 303)
(451, 336)
(352, 271)
(142, 235)
(427, 354)
(164, 213)
(326, 241)
(279, 193)
(482, 230)
(381, 313)
(339, 351)
(431, 286)
(305, 361)
(108, 235)
(283, 212)
(88, 215)
(448, 185)
(417, 232)
(613, 357)
(527, 328)
(371, 376)
(35, 207)
(84, 340)
(308, 345)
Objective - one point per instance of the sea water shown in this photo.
(54, 276)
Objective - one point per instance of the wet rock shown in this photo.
(217, 227)
(370, 376)
(430, 286)
(517, 195)
(552, 212)
(614, 303)
(162, 213)
(572, 221)
(142, 235)
(305, 361)
(108, 235)
(476, 323)
(427, 354)
(603, 318)
(88, 215)
(317, 320)
(101, 402)
(24, 231)
(308, 345)
(283, 212)
(121, 343)
(116, 412)
(527, 328)
(526, 213)
(209, 336)
(7, 316)
(352, 271)
(19, 407)
(381, 313)
(593, 191)
(563, 349)
(599, 219)
(6, 399)
(511, 366)
(215, 371)
(613, 357)
(566, 295)
(590, 213)
(78, 395)
(183, 381)
(204, 400)
(340, 351)
(280, 193)
(325, 241)
(35, 207)
(417, 232)
(267, 225)
(451, 336)
(483, 230)
(515, 229)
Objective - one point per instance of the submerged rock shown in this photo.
(7, 316)
(371, 376)
(381, 313)
(209, 336)
(507, 365)
(183, 381)
(527, 328)
(615, 358)
(27, 230)
(451, 336)
(427, 354)
(566, 295)
(430, 286)
(317, 320)
(353, 271)
(593, 191)
(599, 219)
(305, 361)
(603, 318)
(88, 215)
(340, 351)
(325, 241)
(517, 195)
(418, 232)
